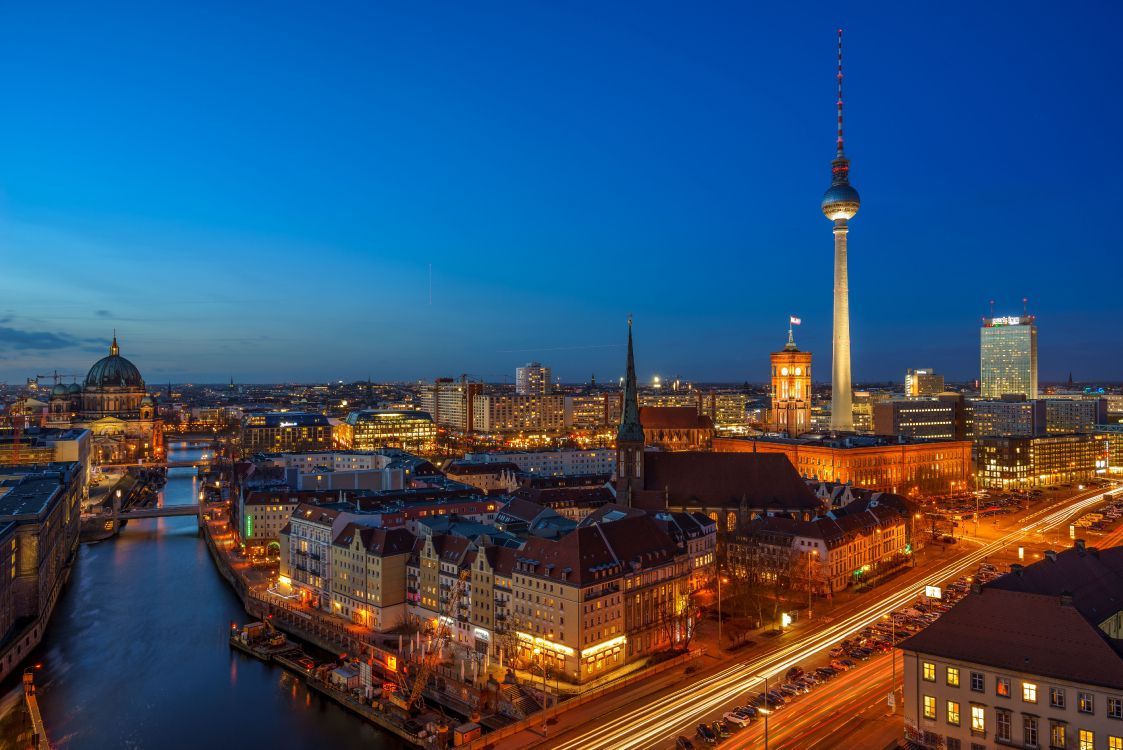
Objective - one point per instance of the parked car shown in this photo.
(794, 673)
(707, 734)
(683, 743)
(736, 719)
(720, 729)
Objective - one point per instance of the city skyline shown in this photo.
(543, 228)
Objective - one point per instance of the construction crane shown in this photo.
(33, 382)
(444, 633)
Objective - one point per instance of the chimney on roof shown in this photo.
(1079, 544)
(1051, 554)
(1066, 598)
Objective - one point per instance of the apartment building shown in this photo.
(1031, 660)
(306, 549)
(368, 575)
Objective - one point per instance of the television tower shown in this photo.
(840, 203)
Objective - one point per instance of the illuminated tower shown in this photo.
(791, 389)
(840, 203)
(629, 435)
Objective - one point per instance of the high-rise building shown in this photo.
(1012, 415)
(532, 380)
(450, 402)
(371, 429)
(791, 389)
(1008, 356)
(941, 418)
(839, 204)
(923, 381)
(503, 412)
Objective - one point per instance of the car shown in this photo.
(747, 712)
(736, 719)
(826, 673)
(788, 692)
(849, 664)
(707, 734)
(683, 743)
(837, 651)
(838, 665)
(720, 729)
(794, 673)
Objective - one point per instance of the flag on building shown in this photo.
(794, 320)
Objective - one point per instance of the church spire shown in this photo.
(114, 350)
(630, 429)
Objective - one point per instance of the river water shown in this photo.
(136, 654)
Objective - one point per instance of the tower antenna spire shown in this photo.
(840, 150)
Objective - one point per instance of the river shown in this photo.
(136, 654)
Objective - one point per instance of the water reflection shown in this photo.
(136, 655)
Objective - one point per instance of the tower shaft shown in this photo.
(842, 397)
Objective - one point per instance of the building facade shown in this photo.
(1011, 415)
(497, 413)
(941, 418)
(450, 402)
(563, 462)
(1008, 357)
(923, 381)
(533, 379)
(285, 432)
(1031, 660)
(1009, 463)
(371, 429)
(791, 390)
(902, 466)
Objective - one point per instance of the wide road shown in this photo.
(656, 722)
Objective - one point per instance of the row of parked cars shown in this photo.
(879, 637)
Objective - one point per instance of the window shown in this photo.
(1087, 739)
(1002, 725)
(1002, 687)
(1029, 731)
(1057, 697)
(977, 682)
(1085, 703)
(953, 676)
(1029, 692)
(953, 744)
(978, 719)
(929, 672)
(1115, 708)
(1115, 743)
(953, 713)
(1056, 735)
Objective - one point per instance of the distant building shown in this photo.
(488, 477)
(306, 550)
(368, 580)
(592, 410)
(285, 432)
(1012, 415)
(791, 389)
(371, 429)
(553, 463)
(533, 379)
(676, 428)
(923, 381)
(1008, 357)
(1065, 415)
(1031, 660)
(910, 467)
(940, 418)
(450, 402)
(1008, 463)
(39, 525)
(499, 412)
(44, 445)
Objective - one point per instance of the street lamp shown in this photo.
(814, 553)
(765, 710)
(719, 582)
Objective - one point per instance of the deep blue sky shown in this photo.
(257, 189)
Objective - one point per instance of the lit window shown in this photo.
(953, 676)
(1085, 703)
(929, 671)
(1057, 697)
(978, 719)
(1087, 739)
(1029, 692)
(1002, 687)
(953, 713)
(1115, 743)
(929, 707)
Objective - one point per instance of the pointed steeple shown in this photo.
(630, 430)
(114, 350)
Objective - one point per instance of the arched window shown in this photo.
(730, 521)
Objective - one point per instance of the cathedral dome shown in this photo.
(75, 388)
(114, 371)
(59, 390)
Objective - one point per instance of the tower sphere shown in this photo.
(840, 201)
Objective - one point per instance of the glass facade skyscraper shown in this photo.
(1008, 357)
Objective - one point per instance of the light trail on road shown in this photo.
(663, 719)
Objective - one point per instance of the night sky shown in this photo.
(259, 192)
